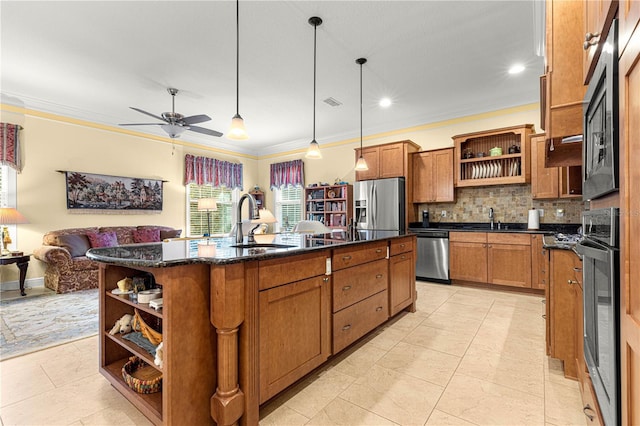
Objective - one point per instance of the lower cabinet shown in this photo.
(539, 263)
(402, 281)
(468, 256)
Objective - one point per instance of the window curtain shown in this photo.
(10, 146)
(209, 171)
(288, 173)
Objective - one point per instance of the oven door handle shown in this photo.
(592, 250)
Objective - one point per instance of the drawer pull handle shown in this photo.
(346, 327)
(577, 269)
(378, 276)
(589, 416)
(401, 245)
(379, 308)
(571, 282)
(346, 288)
(403, 257)
(325, 279)
(379, 251)
(345, 258)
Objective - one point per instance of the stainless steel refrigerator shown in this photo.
(379, 204)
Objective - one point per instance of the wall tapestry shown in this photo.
(87, 191)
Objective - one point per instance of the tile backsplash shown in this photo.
(510, 205)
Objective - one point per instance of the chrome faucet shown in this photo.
(491, 217)
(253, 214)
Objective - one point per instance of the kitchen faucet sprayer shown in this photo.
(253, 214)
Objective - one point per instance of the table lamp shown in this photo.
(266, 217)
(9, 216)
(208, 205)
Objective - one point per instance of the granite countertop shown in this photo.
(545, 228)
(200, 250)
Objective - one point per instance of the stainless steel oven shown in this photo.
(600, 265)
(600, 149)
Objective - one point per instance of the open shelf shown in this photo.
(133, 348)
(140, 306)
(331, 205)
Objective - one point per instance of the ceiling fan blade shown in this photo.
(148, 113)
(141, 124)
(205, 131)
(194, 119)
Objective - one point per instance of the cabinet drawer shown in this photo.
(275, 272)
(400, 245)
(468, 237)
(357, 320)
(505, 238)
(350, 256)
(351, 285)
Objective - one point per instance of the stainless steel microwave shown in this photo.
(600, 146)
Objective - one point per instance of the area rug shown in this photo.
(34, 323)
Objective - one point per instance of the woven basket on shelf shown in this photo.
(141, 377)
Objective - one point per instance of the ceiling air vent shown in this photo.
(332, 102)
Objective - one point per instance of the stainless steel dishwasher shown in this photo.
(432, 262)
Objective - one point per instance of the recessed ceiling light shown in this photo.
(385, 102)
(516, 69)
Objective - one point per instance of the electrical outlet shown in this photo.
(541, 211)
(560, 213)
(443, 213)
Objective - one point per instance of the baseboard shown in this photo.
(28, 283)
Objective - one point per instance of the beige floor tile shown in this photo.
(114, 417)
(398, 397)
(563, 404)
(386, 338)
(344, 413)
(439, 418)
(283, 416)
(358, 362)
(420, 362)
(22, 382)
(451, 342)
(456, 323)
(460, 310)
(406, 321)
(72, 369)
(510, 342)
(485, 403)
(467, 297)
(502, 370)
(554, 372)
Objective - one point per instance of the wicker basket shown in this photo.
(141, 377)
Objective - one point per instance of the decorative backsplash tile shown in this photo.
(510, 205)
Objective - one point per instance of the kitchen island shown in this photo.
(241, 324)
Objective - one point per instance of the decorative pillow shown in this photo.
(146, 235)
(174, 233)
(76, 244)
(102, 239)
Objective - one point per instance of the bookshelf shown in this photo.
(331, 205)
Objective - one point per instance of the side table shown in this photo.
(22, 262)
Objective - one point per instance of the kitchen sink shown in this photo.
(261, 245)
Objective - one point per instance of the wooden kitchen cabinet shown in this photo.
(509, 259)
(468, 256)
(482, 169)
(295, 325)
(387, 160)
(598, 15)
(433, 176)
(402, 267)
(552, 182)
(565, 89)
(539, 263)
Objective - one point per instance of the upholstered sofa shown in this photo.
(64, 251)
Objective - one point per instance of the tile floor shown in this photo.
(467, 356)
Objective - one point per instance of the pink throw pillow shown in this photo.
(146, 235)
(102, 239)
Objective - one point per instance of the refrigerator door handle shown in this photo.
(374, 204)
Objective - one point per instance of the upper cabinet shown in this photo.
(563, 83)
(433, 176)
(552, 182)
(387, 160)
(598, 15)
(493, 157)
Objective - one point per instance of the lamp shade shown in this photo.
(265, 217)
(11, 216)
(313, 152)
(361, 164)
(205, 204)
(237, 130)
(173, 130)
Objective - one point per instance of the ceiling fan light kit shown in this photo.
(361, 164)
(313, 152)
(237, 130)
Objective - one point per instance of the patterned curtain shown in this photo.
(289, 173)
(209, 171)
(10, 146)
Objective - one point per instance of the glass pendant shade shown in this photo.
(361, 164)
(237, 130)
(173, 130)
(313, 152)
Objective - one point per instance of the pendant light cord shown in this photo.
(237, 57)
(361, 110)
(315, 31)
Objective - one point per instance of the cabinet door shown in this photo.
(468, 261)
(392, 158)
(563, 309)
(539, 263)
(598, 15)
(294, 332)
(402, 285)
(544, 180)
(422, 177)
(443, 176)
(509, 264)
(371, 156)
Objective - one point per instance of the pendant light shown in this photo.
(237, 130)
(361, 164)
(313, 152)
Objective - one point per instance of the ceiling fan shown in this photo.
(175, 123)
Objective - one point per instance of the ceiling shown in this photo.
(436, 60)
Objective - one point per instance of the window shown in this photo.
(288, 207)
(221, 220)
(7, 187)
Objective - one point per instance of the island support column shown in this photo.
(227, 314)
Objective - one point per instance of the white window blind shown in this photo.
(7, 186)
(289, 207)
(221, 220)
